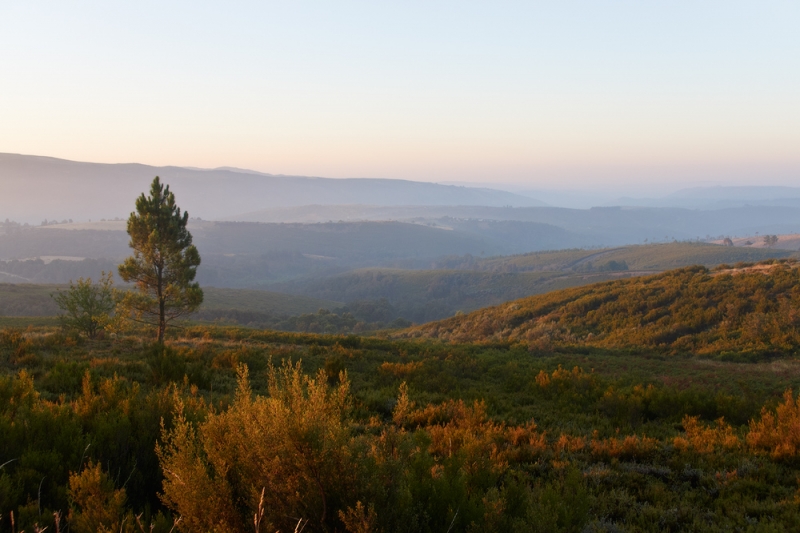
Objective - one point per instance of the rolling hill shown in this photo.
(436, 289)
(41, 188)
(654, 257)
(466, 283)
(350, 242)
(37, 188)
(749, 311)
(598, 226)
(425, 295)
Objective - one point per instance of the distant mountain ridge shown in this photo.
(37, 187)
(598, 226)
(720, 197)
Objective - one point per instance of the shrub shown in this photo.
(96, 505)
(704, 439)
(778, 433)
(87, 306)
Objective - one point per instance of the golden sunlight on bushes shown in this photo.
(405, 446)
(98, 506)
(292, 444)
(706, 439)
(401, 370)
(628, 448)
(778, 433)
(687, 310)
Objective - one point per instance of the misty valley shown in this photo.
(399, 267)
(401, 367)
(376, 271)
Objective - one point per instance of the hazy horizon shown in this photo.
(569, 95)
(566, 195)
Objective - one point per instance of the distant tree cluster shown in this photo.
(56, 271)
(11, 227)
(608, 266)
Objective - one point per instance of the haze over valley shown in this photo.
(399, 267)
(417, 251)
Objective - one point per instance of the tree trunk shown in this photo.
(162, 322)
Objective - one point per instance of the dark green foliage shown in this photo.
(164, 261)
(87, 306)
(425, 295)
(110, 422)
(166, 364)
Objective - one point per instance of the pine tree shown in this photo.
(164, 261)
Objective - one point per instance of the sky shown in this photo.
(539, 95)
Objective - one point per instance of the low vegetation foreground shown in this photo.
(657, 403)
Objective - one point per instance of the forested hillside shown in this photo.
(748, 310)
(353, 241)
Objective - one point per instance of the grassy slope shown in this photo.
(263, 301)
(684, 310)
(675, 255)
(34, 300)
(425, 295)
(644, 257)
(27, 300)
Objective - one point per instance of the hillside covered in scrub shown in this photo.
(746, 310)
(220, 425)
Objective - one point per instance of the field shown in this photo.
(262, 301)
(653, 257)
(31, 300)
(571, 440)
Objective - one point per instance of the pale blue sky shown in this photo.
(533, 93)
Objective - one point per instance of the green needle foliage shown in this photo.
(164, 261)
(87, 306)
